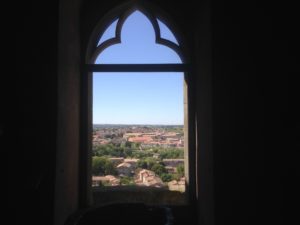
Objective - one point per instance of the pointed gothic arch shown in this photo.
(157, 19)
(155, 15)
(77, 19)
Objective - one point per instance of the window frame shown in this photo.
(92, 52)
(76, 21)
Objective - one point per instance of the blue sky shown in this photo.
(138, 98)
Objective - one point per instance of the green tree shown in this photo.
(128, 144)
(176, 176)
(126, 181)
(180, 170)
(166, 177)
(142, 164)
(150, 162)
(158, 169)
(98, 165)
(155, 150)
(172, 153)
(128, 152)
(109, 168)
(141, 154)
(102, 166)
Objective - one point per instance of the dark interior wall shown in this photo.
(244, 88)
(30, 119)
(238, 113)
(250, 51)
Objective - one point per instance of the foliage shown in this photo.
(142, 164)
(147, 163)
(126, 181)
(102, 166)
(130, 150)
(112, 150)
(158, 169)
(166, 177)
(155, 150)
(141, 154)
(173, 153)
(176, 176)
(180, 170)
(105, 183)
(178, 129)
(135, 145)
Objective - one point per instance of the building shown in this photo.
(173, 162)
(132, 162)
(116, 160)
(170, 169)
(128, 135)
(177, 185)
(143, 139)
(148, 178)
(125, 169)
(100, 180)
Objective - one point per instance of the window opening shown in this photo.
(109, 33)
(138, 137)
(166, 33)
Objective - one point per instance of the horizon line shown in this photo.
(137, 124)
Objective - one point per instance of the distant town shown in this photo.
(138, 155)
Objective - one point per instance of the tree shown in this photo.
(166, 177)
(98, 165)
(158, 169)
(128, 144)
(155, 150)
(142, 164)
(150, 162)
(102, 166)
(180, 170)
(127, 181)
(172, 153)
(109, 168)
(128, 152)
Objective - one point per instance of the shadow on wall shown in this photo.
(133, 214)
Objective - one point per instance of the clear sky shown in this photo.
(138, 98)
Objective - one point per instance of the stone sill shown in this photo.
(138, 194)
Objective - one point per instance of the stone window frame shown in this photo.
(75, 18)
(92, 52)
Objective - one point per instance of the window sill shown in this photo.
(134, 194)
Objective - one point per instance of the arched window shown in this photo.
(136, 96)
(81, 27)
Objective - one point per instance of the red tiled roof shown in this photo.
(140, 139)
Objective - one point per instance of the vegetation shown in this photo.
(149, 163)
(142, 154)
(104, 183)
(174, 153)
(177, 129)
(102, 166)
(166, 177)
(131, 150)
(127, 181)
(112, 150)
(149, 157)
(158, 169)
(180, 170)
